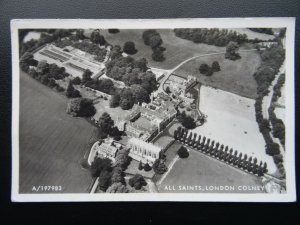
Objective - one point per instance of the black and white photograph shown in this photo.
(153, 110)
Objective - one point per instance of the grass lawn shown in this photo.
(52, 143)
(132, 169)
(201, 170)
(235, 76)
(102, 106)
(177, 49)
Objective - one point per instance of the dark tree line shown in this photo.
(221, 152)
(272, 59)
(277, 124)
(262, 30)
(218, 37)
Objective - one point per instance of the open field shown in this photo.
(231, 121)
(177, 49)
(52, 143)
(201, 170)
(235, 76)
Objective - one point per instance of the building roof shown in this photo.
(143, 144)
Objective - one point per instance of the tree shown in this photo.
(140, 165)
(104, 180)
(105, 122)
(113, 31)
(203, 68)
(127, 99)
(188, 122)
(215, 66)
(76, 81)
(129, 48)
(141, 64)
(183, 152)
(232, 51)
(115, 52)
(168, 91)
(42, 67)
(99, 165)
(117, 175)
(137, 181)
(140, 95)
(147, 167)
(158, 55)
(86, 76)
(114, 100)
(152, 38)
(80, 34)
(81, 107)
(96, 38)
(117, 188)
(159, 166)
(70, 90)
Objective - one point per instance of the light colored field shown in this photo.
(235, 76)
(52, 143)
(201, 170)
(32, 35)
(231, 121)
(177, 49)
(252, 34)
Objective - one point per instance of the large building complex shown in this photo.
(148, 120)
(72, 59)
(143, 151)
(104, 149)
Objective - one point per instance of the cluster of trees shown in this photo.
(183, 152)
(232, 51)
(220, 151)
(137, 181)
(127, 97)
(262, 30)
(97, 38)
(104, 85)
(141, 83)
(91, 48)
(278, 126)
(82, 107)
(47, 36)
(207, 70)
(218, 37)
(111, 175)
(129, 48)
(187, 121)
(159, 166)
(272, 59)
(106, 127)
(153, 39)
(45, 73)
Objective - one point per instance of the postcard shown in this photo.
(153, 110)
